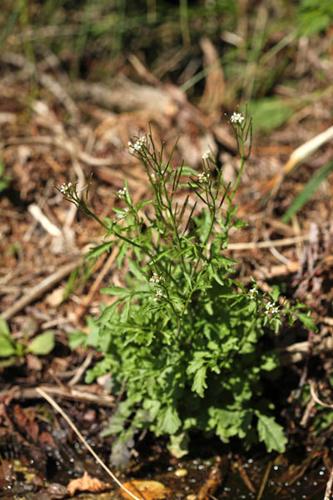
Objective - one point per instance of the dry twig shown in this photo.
(81, 369)
(253, 245)
(315, 396)
(39, 290)
(64, 415)
(62, 143)
(79, 393)
(37, 214)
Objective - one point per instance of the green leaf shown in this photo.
(307, 321)
(4, 328)
(76, 339)
(4, 180)
(271, 433)
(7, 347)
(42, 344)
(169, 421)
(70, 285)
(275, 293)
(199, 384)
(308, 191)
(178, 445)
(135, 269)
(100, 249)
(116, 291)
(269, 113)
(269, 362)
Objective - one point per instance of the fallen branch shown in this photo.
(61, 143)
(39, 290)
(253, 245)
(78, 393)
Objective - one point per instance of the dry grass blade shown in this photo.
(300, 154)
(308, 191)
(329, 486)
(264, 480)
(55, 405)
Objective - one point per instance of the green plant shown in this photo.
(183, 339)
(314, 17)
(4, 179)
(40, 345)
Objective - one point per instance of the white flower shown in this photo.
(156, 279)
(137, 146)
(122, 215)
(253, 292)
(205, 156)
(158, 295)
(66, 188)
(272, 309)
(237, 118)
(203, 177)
(121, 193)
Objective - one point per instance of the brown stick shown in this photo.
(61, 143)
(70, 393)
(253, 245)
(39, 290)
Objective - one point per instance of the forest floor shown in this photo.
(54, 130)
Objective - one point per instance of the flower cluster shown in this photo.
(203, 177)
(121, 193)
(206, 156)
(272, 309)
(137, 146)
(155, 279)
(159, 295)
(66, 188)
(237, 118)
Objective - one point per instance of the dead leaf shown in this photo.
(86, 483)
(147, 490)
(26, 421)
